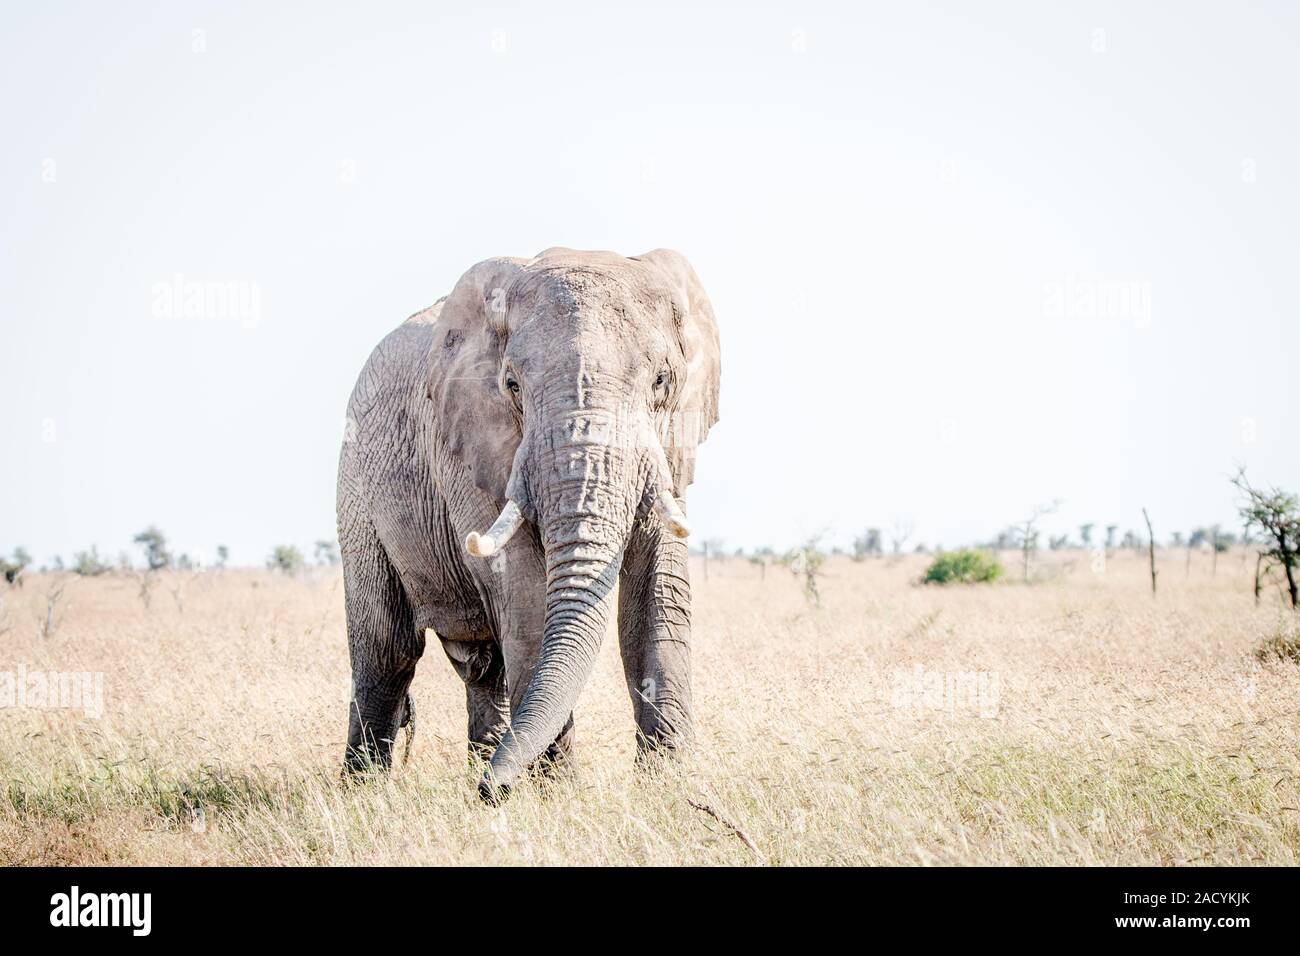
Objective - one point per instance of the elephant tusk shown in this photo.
(494, 539)
(670, 514)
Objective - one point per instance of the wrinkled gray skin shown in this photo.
(578, 384)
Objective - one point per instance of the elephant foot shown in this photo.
(550, 770)
(656, 749)
(362, 764)
(557, 759)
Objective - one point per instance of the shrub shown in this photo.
(285, 558)
(967, 566)
(327, 552)
(806, 562)
(89, 564)
(12, 571)
(1279, 647)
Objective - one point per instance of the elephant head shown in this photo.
(574, 388)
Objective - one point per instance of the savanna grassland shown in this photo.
(1072, 720)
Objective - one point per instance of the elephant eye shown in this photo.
(661, 380)
(512, 389)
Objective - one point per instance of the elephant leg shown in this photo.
(654, 633)
(480, 665)
(384, 645)
(559, 753)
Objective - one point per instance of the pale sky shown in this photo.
(965, 258)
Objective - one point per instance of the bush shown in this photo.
(966, 566)
(89, 564)
(285, 558)
(1279, 647)
(11, 571)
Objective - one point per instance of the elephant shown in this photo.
(510, 453)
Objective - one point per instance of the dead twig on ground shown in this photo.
(740, 834)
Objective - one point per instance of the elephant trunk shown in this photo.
(586, 489)
(577, 612)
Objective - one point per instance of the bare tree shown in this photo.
(1151, 550)
(146, 581)
(176, 587)
(1277, 514)
(53, 612)
(710, 548)
(901, 533)
(867, 545)
(1026, 533)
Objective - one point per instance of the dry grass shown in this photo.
(1126, 730)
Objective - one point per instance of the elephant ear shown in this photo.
(697, 403)
(474, 423)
